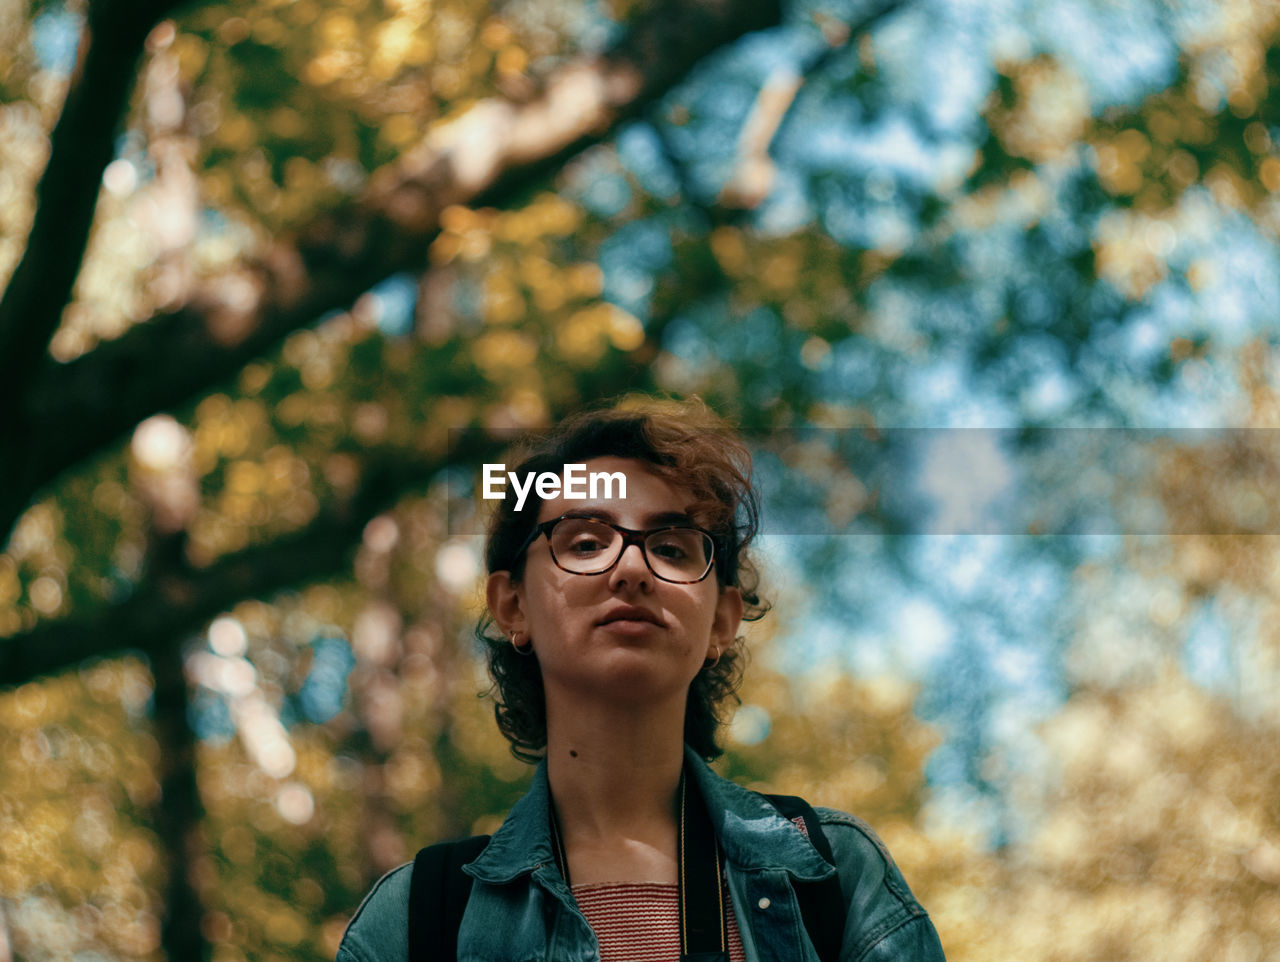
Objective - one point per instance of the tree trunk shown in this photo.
(180, 812)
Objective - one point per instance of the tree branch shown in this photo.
(754, 173)
(81, 146)
(175, 596)
(487, 156)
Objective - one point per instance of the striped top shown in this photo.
(640, 921)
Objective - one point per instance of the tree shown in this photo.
(485, 157)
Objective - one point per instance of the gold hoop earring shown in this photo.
(521, 650)
(710, 662)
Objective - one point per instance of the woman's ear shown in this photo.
(503, 595)
(724, 627)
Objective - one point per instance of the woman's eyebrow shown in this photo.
(600, 514)
(669, 517)
(654, 520)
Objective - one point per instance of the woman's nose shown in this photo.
(631, 568)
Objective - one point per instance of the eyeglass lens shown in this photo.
(588, 546)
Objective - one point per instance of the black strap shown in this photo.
(438, 893)
(822, 906)
(439, 890)
(703, 933)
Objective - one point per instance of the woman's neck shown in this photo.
(615, 772)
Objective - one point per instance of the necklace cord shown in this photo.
(684, 912)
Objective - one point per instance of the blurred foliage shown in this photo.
(1174, 829)
(80, 869)
(988, 235)
(293, 105)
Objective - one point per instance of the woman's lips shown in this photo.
(630, 619)
(630, 627)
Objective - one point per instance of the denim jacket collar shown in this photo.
(753, 834)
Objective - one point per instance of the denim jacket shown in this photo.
(520, 909)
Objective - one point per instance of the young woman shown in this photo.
(613, 642)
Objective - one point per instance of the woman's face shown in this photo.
(623, 634)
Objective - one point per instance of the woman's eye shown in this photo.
(586, 545)
(669, 550)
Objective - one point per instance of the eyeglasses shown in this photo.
(679, 554)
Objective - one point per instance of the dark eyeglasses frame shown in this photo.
(630, 536)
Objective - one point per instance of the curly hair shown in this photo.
(686, 444)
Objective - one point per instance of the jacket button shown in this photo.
(764, 903)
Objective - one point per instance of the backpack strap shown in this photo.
(438, 893)
(822, 906)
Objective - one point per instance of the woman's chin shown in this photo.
(631, 675)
